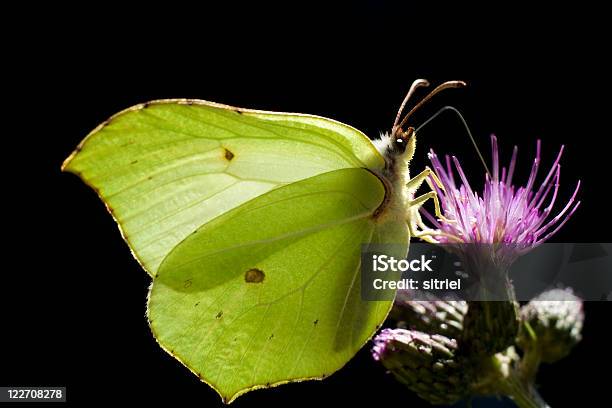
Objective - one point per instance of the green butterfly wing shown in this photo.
(167, 167)
(270, 291)
(251, 223)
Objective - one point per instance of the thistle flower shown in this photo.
(502, 213)
(489, 231)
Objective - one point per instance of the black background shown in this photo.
(72, 297)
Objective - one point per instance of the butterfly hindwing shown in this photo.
(270, 291)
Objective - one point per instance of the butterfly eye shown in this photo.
(400, 145)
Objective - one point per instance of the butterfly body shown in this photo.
(397, 153)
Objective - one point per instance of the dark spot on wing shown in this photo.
(196, 304)
(271, 336)
(316, 322)
(228, 155)
(134, 162)
(150, 178)
(219, 315)
(254, 275)
(187, 283)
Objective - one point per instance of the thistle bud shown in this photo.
(425, 363)
(431, 316)
(552, 323)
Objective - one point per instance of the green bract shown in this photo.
(251, 224)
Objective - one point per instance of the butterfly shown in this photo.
(251, 225)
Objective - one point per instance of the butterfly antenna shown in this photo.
(465, 125)
(415, 85)
(438, 89)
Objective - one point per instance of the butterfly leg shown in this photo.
(420, 200)
(427, 235)
(413, 185)
(417, 227)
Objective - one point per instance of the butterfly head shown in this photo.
(403, 143)
(397, 148)
(402, 139)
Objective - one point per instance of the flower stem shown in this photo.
(523, 393)
(529, 365)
